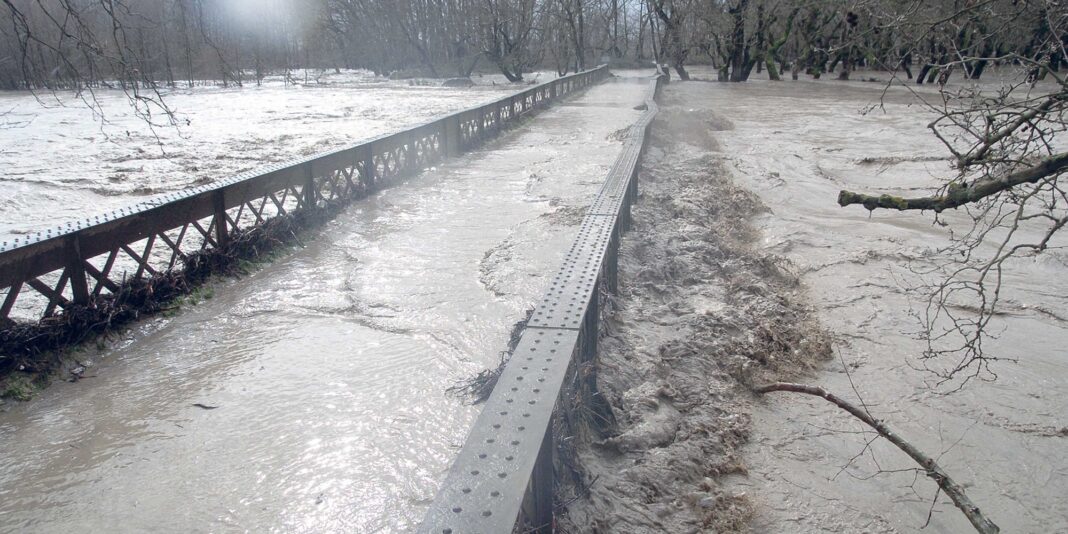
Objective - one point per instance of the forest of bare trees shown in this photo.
(72, 43)
(75, 43)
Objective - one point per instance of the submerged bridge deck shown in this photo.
(328, 367)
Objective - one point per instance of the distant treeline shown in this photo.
(49, 44)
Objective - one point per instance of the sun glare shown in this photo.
(259, 16)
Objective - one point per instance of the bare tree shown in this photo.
(507, 30)
(1007, 176)
(673, 16)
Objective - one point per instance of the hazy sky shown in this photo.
(261, 15)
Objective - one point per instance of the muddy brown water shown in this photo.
(796, 144)
(325, 372)
(62, 161)
(327, 369)
(700, 316)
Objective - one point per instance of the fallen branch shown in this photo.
(957, 195)
(934, 471)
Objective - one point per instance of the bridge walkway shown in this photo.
(325, 372)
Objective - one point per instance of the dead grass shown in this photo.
(478, 388)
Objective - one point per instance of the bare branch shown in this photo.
(945, 483)
(958, 195)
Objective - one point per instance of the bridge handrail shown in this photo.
(80, 261)
(502, 479)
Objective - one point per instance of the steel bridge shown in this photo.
(503, 478)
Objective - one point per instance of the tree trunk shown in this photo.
(923, 73)
(639, 50)
(906, 63)
(773, 73)
(932, 75)
(512, 75)
(739, 51)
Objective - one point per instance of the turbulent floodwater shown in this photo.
(796, 144)
(736, 178)
(327, 369)
(61, 161)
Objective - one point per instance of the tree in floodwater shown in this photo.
(743, 35)
(1008, 166)
(83, 46)
(74, 44)
(507, 28)
(675, 21)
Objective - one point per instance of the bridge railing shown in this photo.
(503, 478)
(83, 261)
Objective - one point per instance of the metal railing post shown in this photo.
(542, 486)
(451, 131)
(222, 235)
(369, 170)
(309, 187)
(76, 270)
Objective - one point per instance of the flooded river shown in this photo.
(63, 161)
(321, 378)
(737, 178)
(796, 144)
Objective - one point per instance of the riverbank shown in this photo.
(743, 176)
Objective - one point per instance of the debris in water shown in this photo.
(479, 387)
(204, 406)
(76, 373)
